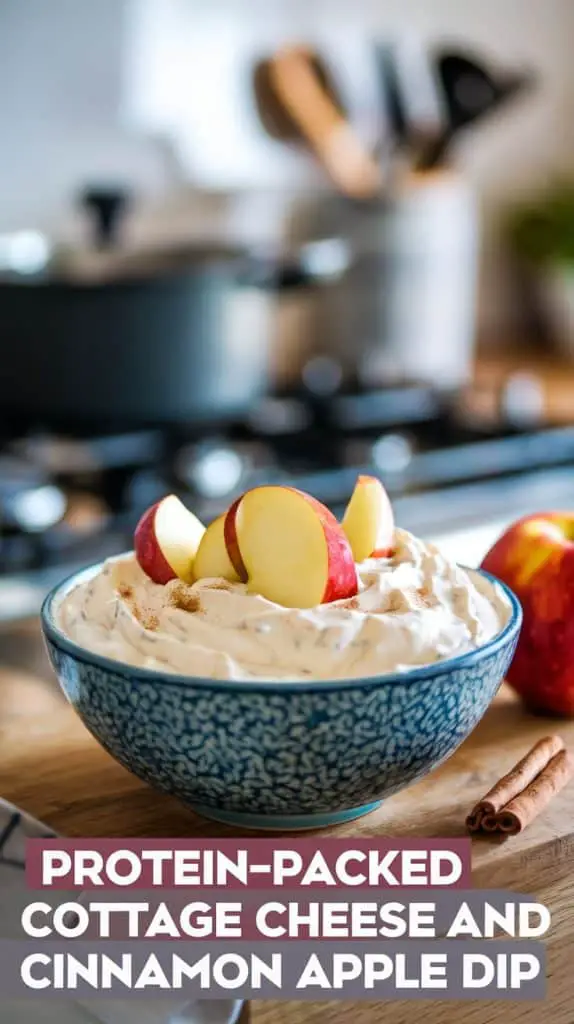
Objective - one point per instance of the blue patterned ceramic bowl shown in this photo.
(279, 755)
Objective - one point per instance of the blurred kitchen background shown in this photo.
(260, 240)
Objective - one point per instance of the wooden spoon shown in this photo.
(297, 86)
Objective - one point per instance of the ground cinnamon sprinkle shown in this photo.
(127, 593)
(395, 603)
(218, 585)
(181, 598)
(424, 597)
(149, 621)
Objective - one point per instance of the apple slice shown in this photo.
(166, 541)
(212, 560)
(368, 521)
(231, 541)
(293, 548)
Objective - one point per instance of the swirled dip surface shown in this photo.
(412, 609)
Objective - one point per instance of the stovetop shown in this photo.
(66, 500)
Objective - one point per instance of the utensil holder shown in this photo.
(406, 308)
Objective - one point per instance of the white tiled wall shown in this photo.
(65, 75)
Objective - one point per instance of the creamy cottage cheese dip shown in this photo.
(414, 608)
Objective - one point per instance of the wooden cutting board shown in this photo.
(53, 768)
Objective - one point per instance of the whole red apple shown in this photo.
(535, 557)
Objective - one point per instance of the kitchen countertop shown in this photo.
(536, 375)
(53, 768)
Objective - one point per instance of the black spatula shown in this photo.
(471, 92)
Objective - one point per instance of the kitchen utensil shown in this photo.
(137, 336)
(275, 115)
(471, 92)
(364, 739)
(351, 66)
(348, 71)
(303, 96)
(414, 100)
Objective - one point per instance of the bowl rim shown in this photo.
(411, 676)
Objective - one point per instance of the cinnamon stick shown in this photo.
(527, 805)
(513, 783)
(489, 823)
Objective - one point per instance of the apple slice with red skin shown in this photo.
(369, 522)
(293, 549)
(231, 540)
(212, 560)
(166, 541)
